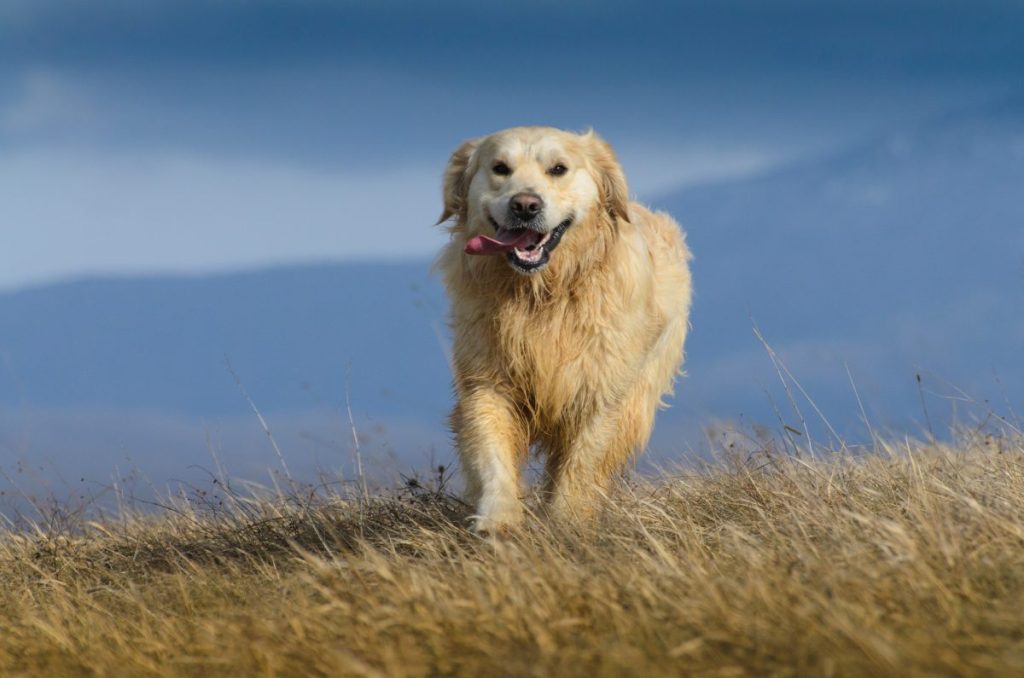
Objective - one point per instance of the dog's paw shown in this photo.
(565, 508)
(499, 526)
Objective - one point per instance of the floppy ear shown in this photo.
(614, 191)
(456, 179)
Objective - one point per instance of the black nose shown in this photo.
(526, 205)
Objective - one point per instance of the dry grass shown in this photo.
(907, 561)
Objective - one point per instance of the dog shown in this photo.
(569, 312)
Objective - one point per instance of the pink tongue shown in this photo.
(503, 241)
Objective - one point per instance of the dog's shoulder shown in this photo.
(659, 232)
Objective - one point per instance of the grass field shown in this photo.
(905, 560)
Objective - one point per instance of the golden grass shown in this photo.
(908, 561)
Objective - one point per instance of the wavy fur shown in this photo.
(574, 359)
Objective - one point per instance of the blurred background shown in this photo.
(207, 207)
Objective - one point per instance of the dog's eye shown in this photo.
(502, 169)
(558, 170)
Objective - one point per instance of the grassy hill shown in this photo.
(908, 559)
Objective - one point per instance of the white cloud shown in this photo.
(66, 214)
(657, 170)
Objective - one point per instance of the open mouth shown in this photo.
(526, 249)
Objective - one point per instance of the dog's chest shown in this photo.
(561, 357)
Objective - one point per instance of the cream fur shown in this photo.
(572, 359)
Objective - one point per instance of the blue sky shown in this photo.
(197, 136)
(849, 170)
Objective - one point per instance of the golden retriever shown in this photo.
(569, 313)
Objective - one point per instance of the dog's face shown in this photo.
(518, 192)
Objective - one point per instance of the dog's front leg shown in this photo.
(492, 443)
(579, 471)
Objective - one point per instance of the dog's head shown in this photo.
(520, 192)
